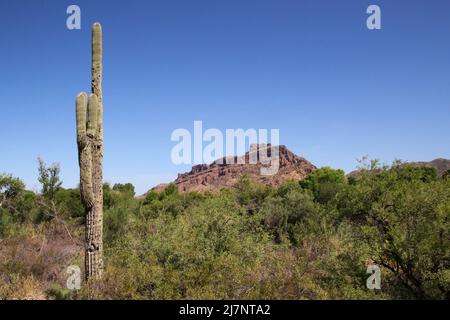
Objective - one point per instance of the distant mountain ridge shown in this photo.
(441, 165)
(225, 173)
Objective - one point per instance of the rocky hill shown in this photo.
(441, 165)
(225, 172)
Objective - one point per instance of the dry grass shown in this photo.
(30, 265)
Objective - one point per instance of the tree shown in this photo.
(15, 206)
(49, 179)
(11, 189)
(250, 193)
(401, 215)
(68, 202)
(126, 188)
(286, 211)
(324, 183)
(150, 197)
(407, 171)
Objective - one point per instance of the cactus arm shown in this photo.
(81, 113)
(92, 123)
(84, 152)
(86, 190)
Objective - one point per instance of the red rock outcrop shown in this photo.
(225, 172)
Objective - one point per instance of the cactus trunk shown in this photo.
(90, 155)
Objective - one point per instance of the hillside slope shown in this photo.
(225, 172)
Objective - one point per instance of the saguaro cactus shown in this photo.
(90, 155)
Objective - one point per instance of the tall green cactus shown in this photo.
(89, 117)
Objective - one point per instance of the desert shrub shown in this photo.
(108, 198)
(446, 175)
(12, 205)
(170, 189)
(172, 203)
(69, 203)
(188, 255)
(251, 194)
(151, 196)
(324, 183)
(286, 187)
(302, 240)
(16, 287)
(118, 218)
(119, 193)
(286, 214)
(58, 292)
(402, 215)
(127, 189)
(6, 223)
(10, 188)
(410, 172)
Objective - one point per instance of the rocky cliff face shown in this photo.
(225, 172)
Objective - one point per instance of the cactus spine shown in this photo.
(89, 117)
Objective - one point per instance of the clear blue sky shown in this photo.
(336, 90)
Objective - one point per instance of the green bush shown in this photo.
(126, 189)
(310, 239)
(402, 215)
(324, 183)
(69, 203)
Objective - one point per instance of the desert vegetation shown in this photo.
(309, 239)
